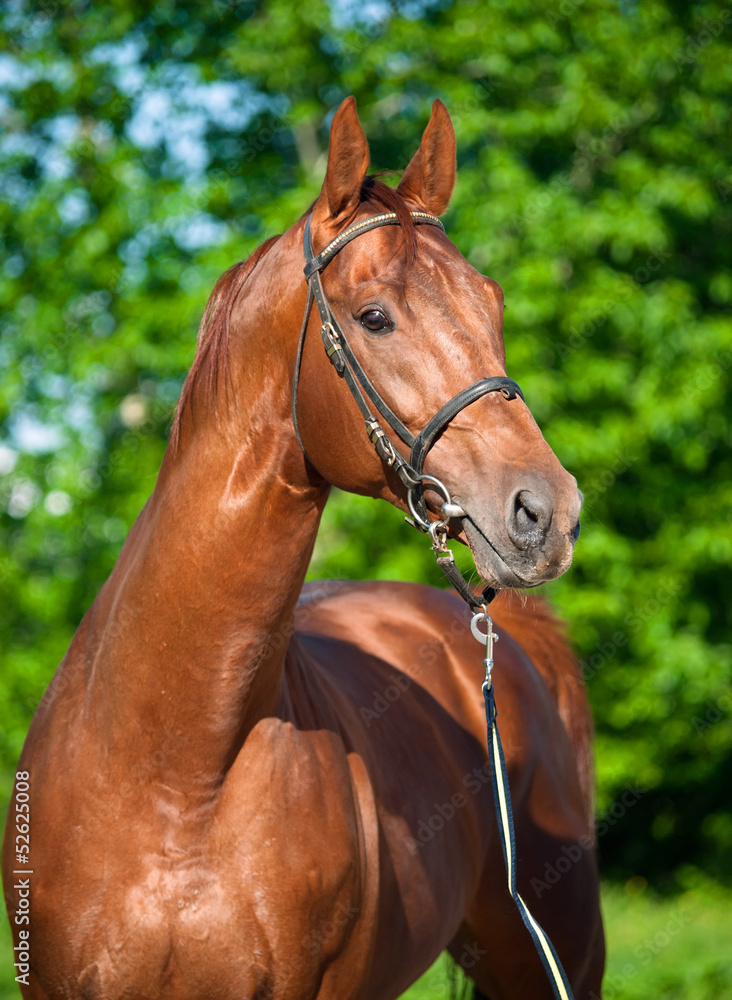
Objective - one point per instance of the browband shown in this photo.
(316, 262)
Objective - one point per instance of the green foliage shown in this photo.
(147, 147)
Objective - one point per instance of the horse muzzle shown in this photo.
(531, 543)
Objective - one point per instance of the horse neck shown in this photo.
(188, 636)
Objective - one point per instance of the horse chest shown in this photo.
(256, 891)
(215, 927)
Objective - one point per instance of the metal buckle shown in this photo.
(332, 347)
(384, 447)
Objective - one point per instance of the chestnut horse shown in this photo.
(234, 795)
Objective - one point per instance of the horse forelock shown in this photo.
(382, 197)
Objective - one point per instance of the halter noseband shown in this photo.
(347, 366)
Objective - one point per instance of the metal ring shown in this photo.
(441, 488)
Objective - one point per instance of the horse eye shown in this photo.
(374, 320)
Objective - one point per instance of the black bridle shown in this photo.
(369, 401)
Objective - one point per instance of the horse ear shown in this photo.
(430, 176)
(348, 161)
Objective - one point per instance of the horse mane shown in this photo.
(531, 622)
(212, 351)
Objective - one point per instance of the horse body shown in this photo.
(221, 808)
(344, 849)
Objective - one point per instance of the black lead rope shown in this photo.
(411, 474)
(504, 814)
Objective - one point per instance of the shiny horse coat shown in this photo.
(240, 788)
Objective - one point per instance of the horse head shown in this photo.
(424, 324)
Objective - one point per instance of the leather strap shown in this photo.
(426, 438)
(298, 365)
(316, 262)
(446, 562)
(341, 344)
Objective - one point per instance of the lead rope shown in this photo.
(347, 366)
(504, 815)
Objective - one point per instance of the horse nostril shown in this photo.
(534, 508)
(531, 517)
(524, 515)
(576, 531)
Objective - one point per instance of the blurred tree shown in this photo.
(145, 147)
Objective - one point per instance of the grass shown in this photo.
(668, 949)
